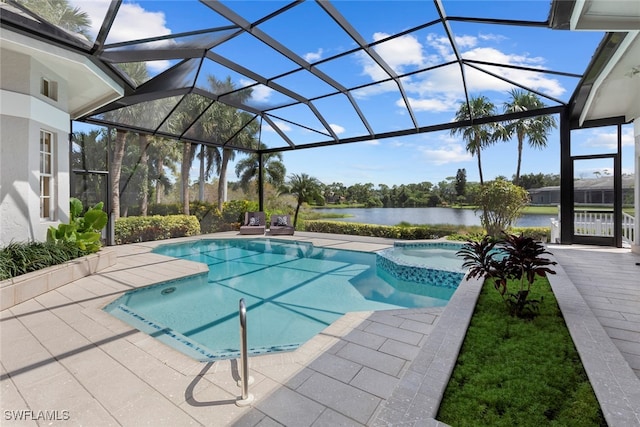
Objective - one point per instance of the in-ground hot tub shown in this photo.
(433, 263)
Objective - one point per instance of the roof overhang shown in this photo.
(90, 87)
(610, 88)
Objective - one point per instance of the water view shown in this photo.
(393, 216)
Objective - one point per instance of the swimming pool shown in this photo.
(292, 291)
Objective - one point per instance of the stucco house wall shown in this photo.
(76, 85)
(24, 113)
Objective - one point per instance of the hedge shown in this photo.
(389, 231)
(147, 228)
(416, 232)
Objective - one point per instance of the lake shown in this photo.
(393, 216)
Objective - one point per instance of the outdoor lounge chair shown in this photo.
(254, 223)
(280, 225)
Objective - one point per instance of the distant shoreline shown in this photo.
(531, 210)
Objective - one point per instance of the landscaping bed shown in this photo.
(514, 371)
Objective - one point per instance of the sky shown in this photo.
(417, 158)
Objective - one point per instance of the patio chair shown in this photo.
(281, 225)
(254, 223)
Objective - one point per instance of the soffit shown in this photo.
(90, 88)
(611, 87)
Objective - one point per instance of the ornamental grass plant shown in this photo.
(19, 258)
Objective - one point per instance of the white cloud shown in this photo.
(608, 138)
(399, 52)
(466, 41)
(433, 105)
(127, 25)
(283, 126)
(313, 56)
(442, 87)
(450, 153)
(261, 93)
(371, 142)
(337, 128)
(491, 37)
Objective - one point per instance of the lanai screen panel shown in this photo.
(392, 67)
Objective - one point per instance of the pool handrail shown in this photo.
(246, 397)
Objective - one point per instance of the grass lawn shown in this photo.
(512, 371)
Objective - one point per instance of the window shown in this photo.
(46, 175)
(49, 89)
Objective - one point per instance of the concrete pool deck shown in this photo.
(64, 359)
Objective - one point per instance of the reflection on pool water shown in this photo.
(292, 291)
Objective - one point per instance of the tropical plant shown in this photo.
(479, 136)
(534, 129)
(83, 231)
(515, 258)
(62, 14)
(501, 203)
(306, 189)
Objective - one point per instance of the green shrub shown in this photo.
(500, 203)
(21, 258)
(148, 228)
(208, 216)
(540, 234)
(233, 211)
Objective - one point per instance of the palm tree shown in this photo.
(534, 129)
(138, 73)
(306, 189)
(62, 14)
(163, 153)
(222, 125)
(192, 106)
(478, 136)
(209, 157)
(274, 169)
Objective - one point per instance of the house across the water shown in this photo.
(593, 191)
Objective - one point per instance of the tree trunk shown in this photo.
(159, 184)
(116, 169)
(222, 179)
(143, 140)
(517, 181)
(480, 167)
(295, 217)
(184, 171)
(201, 178)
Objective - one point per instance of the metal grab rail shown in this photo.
(246, 397)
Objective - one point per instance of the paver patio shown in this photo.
(61, 353)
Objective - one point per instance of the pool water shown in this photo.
(440, 255)
(292, 291)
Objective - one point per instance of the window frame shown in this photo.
(47, 176)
